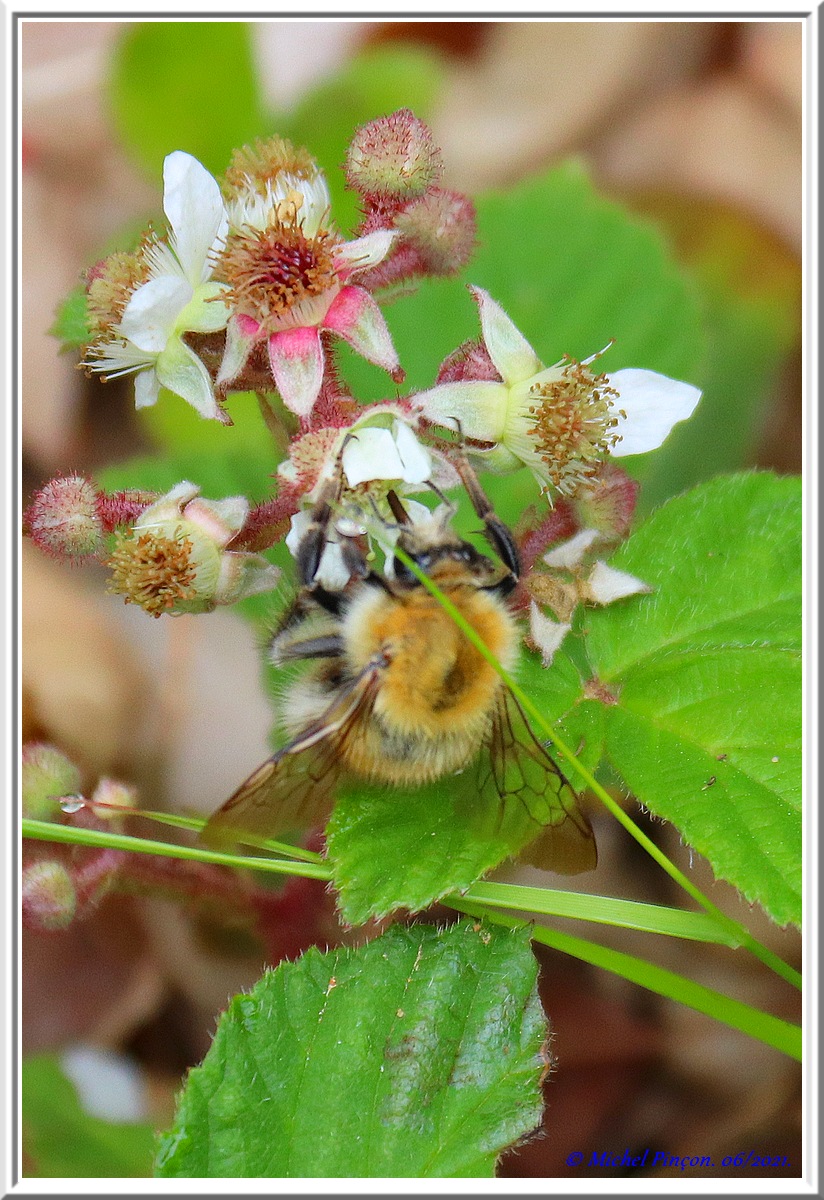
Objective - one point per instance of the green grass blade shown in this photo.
(604, 910)
(47, 831)
(197, 824)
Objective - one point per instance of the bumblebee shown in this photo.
(399, 696)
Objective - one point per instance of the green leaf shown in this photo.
(572, 269)
(706, 675)
(62, 1141)
(374, 83)
(416, 1056)
(749, 284)
(185, 85)
(393, 847)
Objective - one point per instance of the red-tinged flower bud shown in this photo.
(470, 361)
(393, 157)
(63, 519)
(46, 775)
(48, 895)
(112, 799)
(606, 502)
(441, 227)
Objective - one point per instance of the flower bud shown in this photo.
(606, 502)
(111, 798)
(46, 775)
(48, 896)
(393, 157)
(441, 227)
(470, 361)
(63, 519)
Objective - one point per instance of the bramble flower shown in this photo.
(287, 275)
(174, 559)
(559, 421)
(143, 304)
(377, 453)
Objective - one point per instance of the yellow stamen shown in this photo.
(573, 421)
(152, 570)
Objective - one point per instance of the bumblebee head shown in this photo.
(440, 553)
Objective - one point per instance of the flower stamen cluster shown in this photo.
(574, 424)
(152, 570)
(274, 274)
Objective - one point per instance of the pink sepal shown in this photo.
(355, 315)
(296, 359)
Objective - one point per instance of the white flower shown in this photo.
(545, 633)
(178, 296)
(290, 278)
(287, 194)
(175, 558)
(379, 449)
(560, 420)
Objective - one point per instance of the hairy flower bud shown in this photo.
(63, 519)
(441, 227)
(606, 501)
(111, 799)
(46, 775)
(48, 896)
(393, 157)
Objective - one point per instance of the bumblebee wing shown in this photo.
(295, 786)
(518, 768)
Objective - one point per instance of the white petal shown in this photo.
(366, 251)
(570, 553)
(220, 519)
(417, 462)
(169, 506)
(146, 388)
(371, 454)
(479, 408)
(150, 316)
(653, 403)
(194, 207)
(514, 358)
(418, 514)
(243, 575)
(546, 633)
(606, 584)
(298, 525)
(316, 202)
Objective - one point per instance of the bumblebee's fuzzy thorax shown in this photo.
(437, 692)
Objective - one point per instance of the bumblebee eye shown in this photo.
(424, 561)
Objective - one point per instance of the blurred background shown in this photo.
(693, 125)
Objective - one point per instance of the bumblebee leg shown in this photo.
(498, 534)
(313, 543)
(328, 645)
